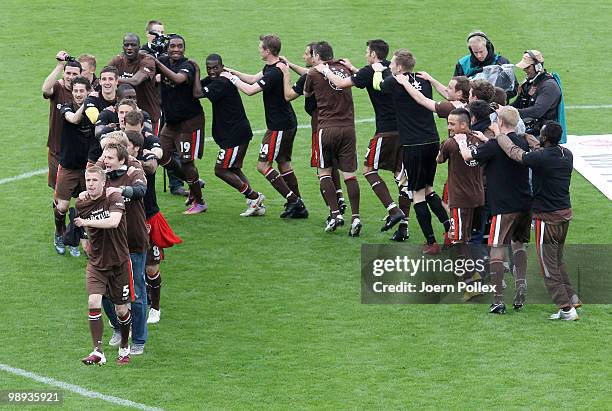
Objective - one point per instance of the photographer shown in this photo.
(539, 96)
(58, 92)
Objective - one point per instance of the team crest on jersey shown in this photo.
(471, 163)
(340, 73)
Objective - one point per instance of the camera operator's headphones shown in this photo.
(478, 34)
(537, 65)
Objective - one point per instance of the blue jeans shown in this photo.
(139, 306)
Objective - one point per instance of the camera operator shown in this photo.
(156, 45)
(482, 54)
(539, 96)
(153, 26)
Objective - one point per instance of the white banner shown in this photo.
(593, 159)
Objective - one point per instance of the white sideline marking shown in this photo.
(76, 389)
(209, 139)
(587, 107)
(23, 176)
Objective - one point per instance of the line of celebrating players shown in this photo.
(108, 152)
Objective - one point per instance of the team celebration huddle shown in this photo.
(110, 130)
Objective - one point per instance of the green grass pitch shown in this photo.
(265, 313)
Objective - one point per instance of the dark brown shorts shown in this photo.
(231, 157)
(155, 255)
(69, 183)
(53, 159)
(384, 152)
(314, 151)
(510, 227)
(337, 148)
(461, 220)
(117, 282)
(277, 145)
(186, 138)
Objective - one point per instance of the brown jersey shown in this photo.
(146, 92)
(134, 209)
(59, 98)
(109, 246)
(444, 108)
(465, 181)
(334, 105)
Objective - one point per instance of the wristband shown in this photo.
(234, 79)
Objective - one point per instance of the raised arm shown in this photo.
(336, 80)
(461, 140)
(298, 69)
(440, 88)
(197, 84)
(246, 78)
(428, 103)
(76, 117)
(176, 78)
(245, 87)
(288, 90)
(47, 87)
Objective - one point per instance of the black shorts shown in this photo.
(420, 163)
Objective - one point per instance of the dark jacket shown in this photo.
(542, 105)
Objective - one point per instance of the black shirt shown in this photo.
(310, 102)
(150, 198)
(508, 188)
(415, 123)
(384, 110)
(279, 113)
(230, 127)
(98, 102)
(76, 140)
(178, 103)
(552, 172)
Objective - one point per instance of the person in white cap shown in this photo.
(539, 96)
